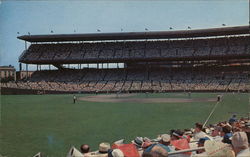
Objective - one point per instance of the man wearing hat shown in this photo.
(165, 140)
(227, 134)
(232, 120)
(102, 152)
(163, 143)
(240, 144)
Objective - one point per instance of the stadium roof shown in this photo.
(138, 35)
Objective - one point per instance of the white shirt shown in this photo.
(218, 138)
(244, 153)
(199, 135)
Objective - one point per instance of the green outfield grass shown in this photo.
(51, 124)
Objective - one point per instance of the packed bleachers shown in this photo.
(140, 50)
(136, 80)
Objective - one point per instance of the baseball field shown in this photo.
(51, 124)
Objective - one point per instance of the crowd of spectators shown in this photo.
(225, 139)
(131, 50)
(135, 80)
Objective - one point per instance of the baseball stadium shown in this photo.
(103, 87)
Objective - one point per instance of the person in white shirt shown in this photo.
(240, 144)
(198, 133)
(74, 99)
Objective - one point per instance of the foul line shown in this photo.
(211, 114)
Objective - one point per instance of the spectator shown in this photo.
(198, 133)
(115, 153)
(84, 148)
(240, 144)
(226, 134)
(201, 144)
(156, 151)
(232, 120)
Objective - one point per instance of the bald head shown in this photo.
(84, 148)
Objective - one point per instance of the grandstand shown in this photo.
(215, 59)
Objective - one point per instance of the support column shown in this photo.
(27, 71)
(20, 67)
(25, 45)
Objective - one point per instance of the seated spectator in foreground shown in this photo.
(165, 140)
(226, 134)
(84, 148)
(102, 152)
(115, 153)
(103, 148)
(176, 134)
(232, 120)
(215, 133)
(198, 133)
(163, 143)
(138, 141)
(201, 144)
(156, 151)
(240, 144)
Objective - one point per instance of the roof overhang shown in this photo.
(223, 31)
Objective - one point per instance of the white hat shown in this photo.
(104, 147)
(240, 139)
(117, 153)
(165, 137)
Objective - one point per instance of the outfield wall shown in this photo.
(18, 91)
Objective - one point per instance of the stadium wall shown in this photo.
(18, 91)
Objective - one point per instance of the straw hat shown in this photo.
(104, 147)
(138, 141)
(117, 153)
(165, 137)
(218, 149)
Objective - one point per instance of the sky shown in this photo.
(86, 16)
